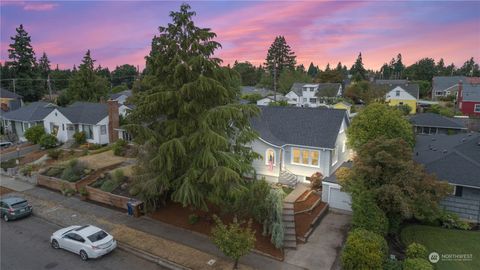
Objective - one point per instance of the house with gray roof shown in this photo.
(269, 99)
(313, 94)
(9, 101)
(296, 142)
(121, 97)
(17, 121)
(455, 159)
(468, 99)
(443, 86)
(432, 123)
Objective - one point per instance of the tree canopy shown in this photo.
(249, 74)
(378, 120)
(358, 71)
(279, 57)
(124, 74)
(191, 132)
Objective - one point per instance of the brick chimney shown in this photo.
(460, 94)
(113, 120)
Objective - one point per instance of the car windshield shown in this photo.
(20, 204)
(97, 236)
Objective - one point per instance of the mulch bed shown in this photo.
(177, 215)
(303, 221)
(33, 156)
(306, 204)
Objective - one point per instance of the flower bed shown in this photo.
(174, 214)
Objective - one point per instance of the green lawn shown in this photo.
(444, 241)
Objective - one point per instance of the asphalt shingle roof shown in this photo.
(442, 83)
(34, 111)
(471, 92)
(85, 112)
(435, 120)
(315, 127)
(411, 88)
(324, 89)
(7, 94)
(454, 158)
(391, 81)
(127, 93)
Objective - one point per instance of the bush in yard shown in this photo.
(274, 222)
(364, 250)
(367, 215)
(393, 265)
(54, 153)
(233, 240)
(316, 181)
(80, 137)
(34, 134)
(251, 201)
(415, 250)
(417, 264)
(452, 221)
(119, 148)
(48, 141)
(74, 171)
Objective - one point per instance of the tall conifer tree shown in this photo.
(191, 131)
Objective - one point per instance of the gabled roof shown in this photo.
(411, 88)
(435, 120)
(35, 111)
(297, 88)
(126, 93)
(324, 89)
(85, 112)
(245, 90)
(442, 83)
(314, 127)
(471, 92)
(382, 82)
(4, 93)
(454, 158)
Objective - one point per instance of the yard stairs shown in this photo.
(287, 178)
(288, 216)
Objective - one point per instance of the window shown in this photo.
(294, 99)
(103, 129)
(439, 93)
(88, 129)
(75, 237)
(63, 126)
(458, 191)
(305, 157)
(304, 99)
(334, 156)
(397, 93)
(53, 129)
(477, 108)
(97, 236)
(270, 157)
(313, 100)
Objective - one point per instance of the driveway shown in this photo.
(324, 245)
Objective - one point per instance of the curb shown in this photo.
(150, 257)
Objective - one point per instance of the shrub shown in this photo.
(94, 146)
(118, 176)
(367, 215)
(80, 137)
(11, 163)
(48, 141)
(27, 170)
(417, 264)
(316, 181)
(34, 134)
(54, 172)
(109, 185)
(364, 250)
(452, 221)
(119, 148)
(274, 222)
(192, 219)
(417, 251)
(83, 191)
(74, 171)
(393, 265)
(54, 153)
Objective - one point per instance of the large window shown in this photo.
(88, 129)
(103, 129)
(305, 157)
(477, 108)
(313, 100)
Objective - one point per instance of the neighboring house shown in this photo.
(343, 105)
(9, 101)
(295, 143)
(455, 159)
(267, 100)
(313, 94)
(94, 119)
(390, 82)
(432, 123)
(403, 94)
(468, 98)
(19, 120)
(248, 90)
(445, 86)
(121, 97)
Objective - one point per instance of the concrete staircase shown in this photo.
(290, 238)
(287, 178)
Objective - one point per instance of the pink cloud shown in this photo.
(39, 6)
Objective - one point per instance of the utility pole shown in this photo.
(275, 80)
(14, 91)
(49, 87)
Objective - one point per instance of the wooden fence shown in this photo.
(101, 196)
(55, 183)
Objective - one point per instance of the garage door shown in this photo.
(339, 199)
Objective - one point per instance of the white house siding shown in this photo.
(97, 136)
(293, 99)
(57, 118)
(121, 99)
(261, 167)
(263, 102)
(404, 95)
(342, 155)
(303, 171)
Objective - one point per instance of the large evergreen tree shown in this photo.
(279, 57)
(470, 68)
(23, 66)
(192, 135)
(44, 66)
(312, 70)
(358, 71)
(86, 85)
(398, 67)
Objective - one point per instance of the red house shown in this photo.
(469, 98)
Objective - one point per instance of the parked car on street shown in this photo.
(87, 241)
(14, 208)
(5, 144)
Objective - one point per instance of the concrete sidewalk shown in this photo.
(198, 242)
(13, 184)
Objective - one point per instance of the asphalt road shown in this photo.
(22, 152)
(25, 245)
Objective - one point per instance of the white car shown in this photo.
(87, 241)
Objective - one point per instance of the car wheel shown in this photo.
(5, 217)
(55, 244)
(83, 255)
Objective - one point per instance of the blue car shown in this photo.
(14, 208)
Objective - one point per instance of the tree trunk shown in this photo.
(235, 264)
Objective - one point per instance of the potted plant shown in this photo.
(83, 193)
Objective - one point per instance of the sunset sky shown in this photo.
(120, 32)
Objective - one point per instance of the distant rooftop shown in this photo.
(435, 120)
